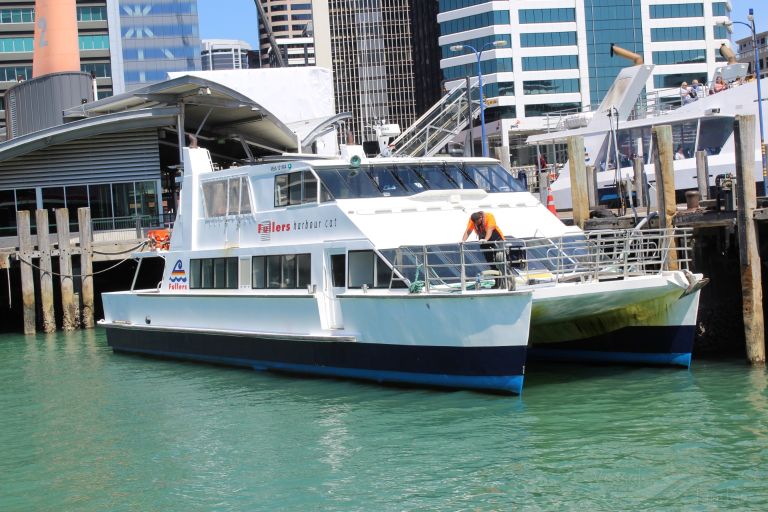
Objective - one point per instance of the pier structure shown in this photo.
(35, 254)
(724, 225)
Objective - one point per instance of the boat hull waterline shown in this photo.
(419, 340)
(651, 321)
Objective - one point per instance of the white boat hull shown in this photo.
(410, 338)
(649, 319)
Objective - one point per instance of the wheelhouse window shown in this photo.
(407, 179)
(229, 196)
(282, 271)
(295, 188)
(213, 273)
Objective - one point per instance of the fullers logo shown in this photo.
(178, 279)
(267, 227)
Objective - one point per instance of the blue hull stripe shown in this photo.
(672, 359)
(483, 368)
(658, 345)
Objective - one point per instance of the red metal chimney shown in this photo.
(56, 43)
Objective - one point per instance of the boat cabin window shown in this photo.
(230, 196)
(368, 268)
(280, 271)
(295, 188)
(684, 139)
(338, 269)
(713, 134)
(407, 179)
(213, 273)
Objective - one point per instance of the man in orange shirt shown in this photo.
(484, 224)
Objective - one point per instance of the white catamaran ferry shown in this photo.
(351, 267)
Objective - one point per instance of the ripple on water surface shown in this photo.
(84, 429)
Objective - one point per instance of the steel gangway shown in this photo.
(440, 124)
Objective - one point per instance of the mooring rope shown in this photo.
(142, 244)
(72, 276)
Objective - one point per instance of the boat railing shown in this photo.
(519, 263)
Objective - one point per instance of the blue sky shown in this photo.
(236, 19)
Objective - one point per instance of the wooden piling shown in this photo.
(69, 307)
(27, 283)
(663, 159)
(592, 195)
(46, 276)
(86, 265)
(702, 174)
(749, 256)
(578, 172)
(638, 166)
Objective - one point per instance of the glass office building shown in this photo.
(557, 55)
(154, 37)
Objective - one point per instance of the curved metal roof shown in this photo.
(110, 123)
(208, 106)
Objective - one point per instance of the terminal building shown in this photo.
(556, 54)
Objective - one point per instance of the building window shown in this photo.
(547, 15)
(677, 11)
(680, 57)
(295, 188)
(550, 62)
(229, 196)
(21, 15)
(16, 44)
(94, 42)
(281, 271)
(97, 69)
(721, 32)
(485, 19)
(91, 14)
(486, 67)
(720, 9)
(451, 5)
(478, 43)
(674, 80)
(677, 34)
(213, 273)
(499, 89)
(558, 86)
(12, 73)
(548, 108)
(548, 39)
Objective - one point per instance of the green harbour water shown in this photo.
(83, 429)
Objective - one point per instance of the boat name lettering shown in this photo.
(281, 167)
(314, 224)
(272, 227)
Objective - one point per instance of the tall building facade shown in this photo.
(290, 22)
(149, 38)
(425, 32)
(372, 55)
(557, 52)
(226, 54)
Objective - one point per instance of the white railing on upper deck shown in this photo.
(517, 264)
